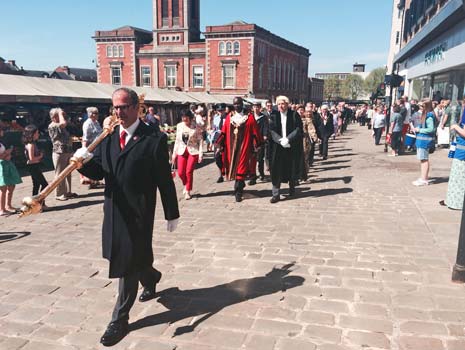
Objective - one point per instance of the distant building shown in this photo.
(316, 90)
(238, 58)
(78, 74)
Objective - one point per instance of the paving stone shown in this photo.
(323, 333)
(260, 342)
(287, 344)
(413, 343)
(369, 339)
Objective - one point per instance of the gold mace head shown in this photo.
(31, 205)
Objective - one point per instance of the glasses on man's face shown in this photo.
(122, 107)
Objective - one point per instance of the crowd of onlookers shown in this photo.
(418, 126)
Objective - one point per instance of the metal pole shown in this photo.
(458, 272)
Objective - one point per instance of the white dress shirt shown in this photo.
(129, 131)
(283, 123)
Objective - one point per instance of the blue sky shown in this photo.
(45, 34)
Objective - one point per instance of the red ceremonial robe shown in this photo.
(238, 147)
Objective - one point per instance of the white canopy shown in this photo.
(16, 88)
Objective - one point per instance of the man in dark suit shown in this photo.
(134, 162)
(324, 130)
(286, 132)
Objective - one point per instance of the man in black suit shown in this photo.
(324, 130)
(286, 132)
(134, 162)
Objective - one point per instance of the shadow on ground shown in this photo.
(11, 236)
(75, 205)
(182, 304)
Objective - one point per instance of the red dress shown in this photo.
(238, 142)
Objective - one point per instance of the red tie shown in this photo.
(122, 139)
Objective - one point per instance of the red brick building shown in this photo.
(234, 59)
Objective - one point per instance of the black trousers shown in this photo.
(378, 133)
(261, 161)
(311, 154)
(324, 146)
(38, 179)
(127, 291)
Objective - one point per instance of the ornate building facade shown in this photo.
(234, 59)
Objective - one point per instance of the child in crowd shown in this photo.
(33, 158)
(9, 178)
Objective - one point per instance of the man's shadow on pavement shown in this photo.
(183, 304)
(11, 236)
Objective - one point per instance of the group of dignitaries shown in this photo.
(284, 138)
(134, 162)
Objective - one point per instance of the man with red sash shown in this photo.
(239, 137)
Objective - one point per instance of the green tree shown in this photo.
(353, 87)
(332, 88)
(375, 78)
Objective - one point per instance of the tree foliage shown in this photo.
(353, 87)
(332, 88)
(375, 78)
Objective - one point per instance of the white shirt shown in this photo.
(283, 123)
(129, 131)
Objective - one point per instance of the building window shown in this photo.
(197, 76)
(109, 51)
(397, 37)
(229, 76)
(237, 48)
(170, 73)
(121, 51)
(116, 75)
(146, 76)
(229, 50)
(222, 48)
(260, 76)
(279, 75)
(164, 12)
(175, 12)
(115, 51)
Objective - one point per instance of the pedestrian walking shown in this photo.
(134, 161)
(286, 151)
(239, 136)
(378, 124)
(91, 129)
(324, 129)
(188, 150)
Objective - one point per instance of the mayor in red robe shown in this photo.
(240, 137)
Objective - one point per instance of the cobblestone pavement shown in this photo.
(361, 259)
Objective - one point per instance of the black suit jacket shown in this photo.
(132, 177)
(285, 162)
(324, 131)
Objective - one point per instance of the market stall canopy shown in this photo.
(14, 88)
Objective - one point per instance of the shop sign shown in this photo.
(436, 54)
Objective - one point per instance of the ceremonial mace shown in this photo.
(33, 205)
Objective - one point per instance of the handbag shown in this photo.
(173, 171)
(388, 138)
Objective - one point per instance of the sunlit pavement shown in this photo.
(359, 259)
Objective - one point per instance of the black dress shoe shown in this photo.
(220, 180)
(114, 333)
(150, 293)
(291, 192)
(238, 196)
(252, 182)
(274, 199)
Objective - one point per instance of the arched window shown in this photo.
(237, 48)
(222, 48)
(115, 51)
(121, 51)
(109, 52)
(229, 50)
(279, 75)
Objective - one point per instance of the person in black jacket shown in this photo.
(133, 160)
(263, 126)
(324, 129)
(286, 147)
